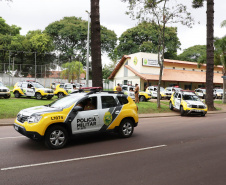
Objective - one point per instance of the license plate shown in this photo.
(16, 127)
(198, 110)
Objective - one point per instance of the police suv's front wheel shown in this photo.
(182, 112)
(56, 137)
(17, 94)
(126, 128)
(142, 98)
(60, 95)
(38, 96)
(170, 105)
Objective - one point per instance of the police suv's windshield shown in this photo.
(37, 85)
(65, 102)
(190, 97)
(162, 89)
(219, 90)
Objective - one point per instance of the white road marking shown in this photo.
(81, 158)
(11, 137)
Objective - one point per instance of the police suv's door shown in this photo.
(87, 120)
(69, 88)
(131, 93)
(111, 108)
(177, 100)
(30, 90)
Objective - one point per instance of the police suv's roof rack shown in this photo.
(184, 91)
(113, 92)
(79, 91)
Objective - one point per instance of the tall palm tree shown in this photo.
(209, 49)
(96, 44)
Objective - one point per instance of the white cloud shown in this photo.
(37, 14)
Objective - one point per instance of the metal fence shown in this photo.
(9, 80)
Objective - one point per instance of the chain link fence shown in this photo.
(44, 74)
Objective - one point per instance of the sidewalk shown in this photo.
(10, 121)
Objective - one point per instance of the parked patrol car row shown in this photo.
(35, 89)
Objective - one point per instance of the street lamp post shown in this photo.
(87, 55)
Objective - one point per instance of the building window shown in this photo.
(187, 87)
(125, 82)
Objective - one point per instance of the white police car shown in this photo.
(78, 113)
(187, 102)
(4, 91)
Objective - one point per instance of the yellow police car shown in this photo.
(32, 89)
(129, 90)
(200, 92)
(187, 102)
(64, 89)
(4, 91)
(153, 91)
(78, 113)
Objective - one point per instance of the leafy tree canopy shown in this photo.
(107, 70)
(70, 38)
(220, 52)
(21, 49)
(144, 38)
(193, 54)
(6, 29)
(72, 70)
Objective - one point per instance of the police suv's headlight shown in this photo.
(34, 119)
(189, 105)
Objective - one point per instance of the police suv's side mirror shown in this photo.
(77, 108)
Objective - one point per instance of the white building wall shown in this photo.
(136, 63)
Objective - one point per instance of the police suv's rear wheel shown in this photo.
(170, 105)
(49, 98)
(142, 98)
(126, 128)
(6, 97)
(56, 137)
(60, 95)
(38, 96)
(17, 94)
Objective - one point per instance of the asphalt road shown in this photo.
(162, 151)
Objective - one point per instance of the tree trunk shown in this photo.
(210, 55)
(96, 45)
